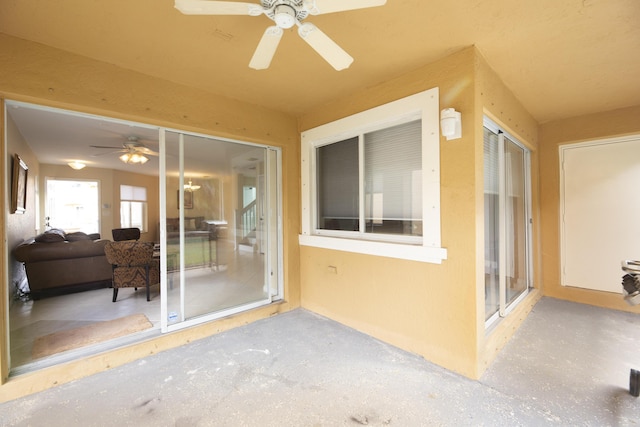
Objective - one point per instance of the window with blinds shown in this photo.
(133, 207)
(391, 184)
(338, 186)
(371, 181)
(393, 180)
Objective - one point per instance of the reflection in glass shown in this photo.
(215, 237)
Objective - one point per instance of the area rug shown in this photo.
(87, 335)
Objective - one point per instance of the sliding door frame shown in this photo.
(506, 307)
(270, 263)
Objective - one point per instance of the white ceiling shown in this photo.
(561, 58)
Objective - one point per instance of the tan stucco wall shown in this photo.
(552, 135)
(35, 73)
(496, 101)
(434, 310)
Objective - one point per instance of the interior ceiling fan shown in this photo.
(285, 14)
(131, 146)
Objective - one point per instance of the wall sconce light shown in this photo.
(451, 123)
(77, 165)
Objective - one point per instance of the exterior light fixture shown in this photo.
(451, 123)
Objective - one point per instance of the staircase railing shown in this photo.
(247, 218)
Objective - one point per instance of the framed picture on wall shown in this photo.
(188, 199)
(19, 186)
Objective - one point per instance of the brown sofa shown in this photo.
(57, 262)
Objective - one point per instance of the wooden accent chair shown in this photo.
(133, 265)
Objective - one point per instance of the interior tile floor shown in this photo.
(568, 365)
(207, 290)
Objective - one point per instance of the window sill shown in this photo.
(384, 249)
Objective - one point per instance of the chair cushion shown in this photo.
(130, 260)
(120, 234)
(129, 253)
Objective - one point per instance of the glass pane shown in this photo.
(393, 180)
(516, 221)
(216, 254)
(125, 214)
(338, 183)
(491, 221)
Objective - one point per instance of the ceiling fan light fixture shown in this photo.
(284, 16)
(191, 187)
(77, 165)
(133, 159)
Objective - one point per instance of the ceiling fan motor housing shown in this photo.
(285, 13)
(285, 16)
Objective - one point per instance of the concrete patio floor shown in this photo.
(567, 365)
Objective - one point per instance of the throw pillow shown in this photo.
(51, 236)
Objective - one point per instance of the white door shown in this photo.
(600, 211)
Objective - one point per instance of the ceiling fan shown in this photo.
(134, 151)
(285, 14)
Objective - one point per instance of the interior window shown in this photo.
(72, 205)
(133, 207)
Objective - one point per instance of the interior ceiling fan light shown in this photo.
(191, 187)
(133, 158)
(284, 16)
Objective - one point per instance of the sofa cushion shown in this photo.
(34, 252)
(78, 235)
(51, 236)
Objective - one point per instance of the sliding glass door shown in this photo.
(220, 242)
(507, 221)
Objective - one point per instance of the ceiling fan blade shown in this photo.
(317, 7)
(327, 48)
(109, 152)
(104, 146)
(266, 48)
(145, 150)
(207, 7)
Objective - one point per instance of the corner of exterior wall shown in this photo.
(402, 302)
(495, 100)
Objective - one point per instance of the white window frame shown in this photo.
(424, 106)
